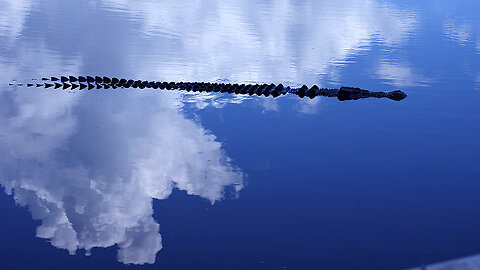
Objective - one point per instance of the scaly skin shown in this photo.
(97, 82)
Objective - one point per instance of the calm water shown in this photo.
(176, 180)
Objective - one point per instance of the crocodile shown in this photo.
(274, 90)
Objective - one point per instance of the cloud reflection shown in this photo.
(478, 45)
(90, 174)
(400, 75)
(89, 166)
(477, 81)
(12, 17)
(258, 41)
(464, 33)
(458, 32)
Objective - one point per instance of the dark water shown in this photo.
(177, 180)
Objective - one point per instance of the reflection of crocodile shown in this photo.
(89, 82)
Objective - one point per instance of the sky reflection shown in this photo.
(12, 17)
(89, 164)
(89, 169)
(261, 41)
(400, 75)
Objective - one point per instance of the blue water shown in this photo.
(134, 179)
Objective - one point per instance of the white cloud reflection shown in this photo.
(12, 17)
(458, 32)
(477, 81)
(89, 166)
(91, 180)
(287, 41)
(478, 45)
(400, 75)
(464, 33)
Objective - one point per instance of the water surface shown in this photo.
(151, 179)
